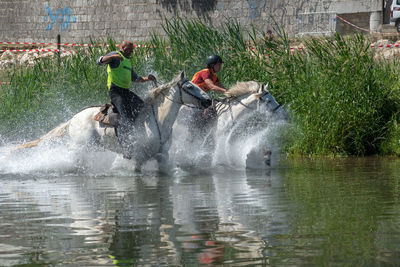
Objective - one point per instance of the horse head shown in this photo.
(270, 103)
(255, 96)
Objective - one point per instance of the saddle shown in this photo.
(107, 116)
(210, 114)
(203, 118)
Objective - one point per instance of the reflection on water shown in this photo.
(326, 212)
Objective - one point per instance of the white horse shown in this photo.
(152, 129)
(246, 110)
(243, 113)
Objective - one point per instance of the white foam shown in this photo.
(56, 158)
(231, 149)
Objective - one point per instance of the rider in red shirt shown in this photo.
(207, 79)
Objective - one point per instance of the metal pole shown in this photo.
(58, 48)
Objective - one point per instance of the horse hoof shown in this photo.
(126, 156)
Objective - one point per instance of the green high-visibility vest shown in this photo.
(122, 75)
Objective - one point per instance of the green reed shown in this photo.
(43, 95)
(341, 99)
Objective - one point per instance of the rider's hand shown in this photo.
(117, 56)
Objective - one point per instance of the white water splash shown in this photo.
(240, 146)
(58, 158)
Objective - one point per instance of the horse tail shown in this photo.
(59, 131)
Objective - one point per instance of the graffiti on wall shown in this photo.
(307, 15)
(253, 9)
(62, 15)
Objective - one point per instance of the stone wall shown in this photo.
(82, 20)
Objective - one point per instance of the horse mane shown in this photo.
(242, 88)
(155, 92)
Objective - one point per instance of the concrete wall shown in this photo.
(80, 20)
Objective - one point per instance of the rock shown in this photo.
(4, 64)
(24, 58)
(46, 54)
(7, 55)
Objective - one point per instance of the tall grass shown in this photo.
(189, 42)
(49, 92)
(342, 100)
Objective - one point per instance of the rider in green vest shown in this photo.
(120, 76)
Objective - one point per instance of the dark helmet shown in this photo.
(212, 60)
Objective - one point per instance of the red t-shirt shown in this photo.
(200, 77)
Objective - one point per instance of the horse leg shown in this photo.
(139, 156)
(122, 134)
(163, 160)
(163, 157)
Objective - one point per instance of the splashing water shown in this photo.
(240, 146)
(58, 157)
(51, 158)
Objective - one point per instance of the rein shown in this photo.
(241, 103)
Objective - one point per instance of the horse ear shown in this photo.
(183, 75)
(265, 87)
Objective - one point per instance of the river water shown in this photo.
(297, 212)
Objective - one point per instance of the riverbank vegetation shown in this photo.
(343, 100)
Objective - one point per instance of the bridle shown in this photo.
(267, 100)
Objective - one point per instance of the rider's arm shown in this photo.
(112, 58)
(214, 87)
(220, 85)
(142, 79)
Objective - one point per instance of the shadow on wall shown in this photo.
(199, 6)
